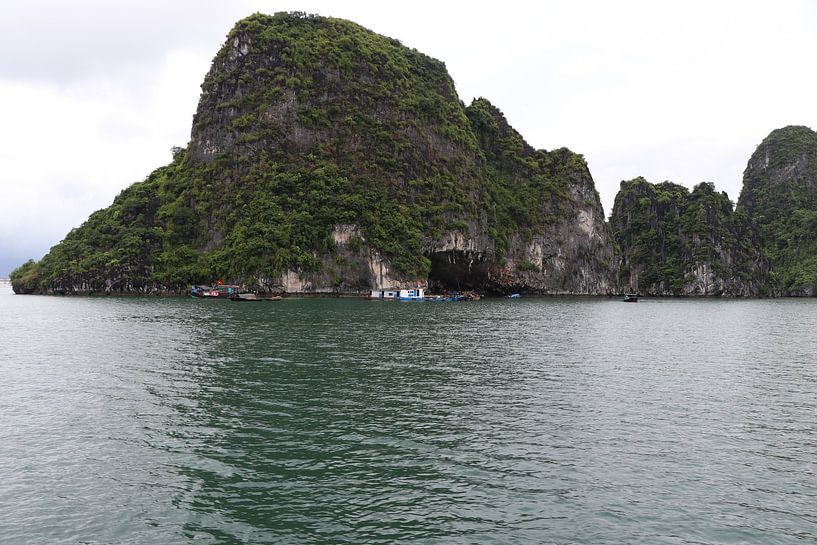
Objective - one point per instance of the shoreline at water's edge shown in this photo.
(364, 295)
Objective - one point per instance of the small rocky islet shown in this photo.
(327, 159)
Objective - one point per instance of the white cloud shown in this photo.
(93, 93)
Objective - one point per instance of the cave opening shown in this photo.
(458, 271)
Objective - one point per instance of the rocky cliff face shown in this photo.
(540, 211)
(325, 158)
(779, 198)
(673, 242)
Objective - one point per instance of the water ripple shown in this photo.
(345, 421)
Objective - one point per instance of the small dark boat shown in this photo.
(631, 298)
(253, 297)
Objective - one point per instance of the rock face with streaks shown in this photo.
(779, 198)
(676, 242)
(673, 242)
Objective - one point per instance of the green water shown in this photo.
(180, 421)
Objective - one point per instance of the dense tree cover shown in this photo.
(673, 241)
(306, 123)
(768, 245)
(780, 198)
(524, 188)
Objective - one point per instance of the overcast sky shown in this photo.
(93, 93)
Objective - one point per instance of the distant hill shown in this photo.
(675, 242)
(779, 197)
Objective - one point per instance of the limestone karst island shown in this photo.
(325, 158)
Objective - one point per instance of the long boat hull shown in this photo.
(209, 295)
(251, 297)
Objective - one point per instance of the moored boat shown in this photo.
(219, 290)
(632, 297)
(253, 297)
(418, 294)
(411, 294)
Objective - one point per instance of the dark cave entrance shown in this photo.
(458, 271)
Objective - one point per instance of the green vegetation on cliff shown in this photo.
(780, 198)
(524, 188)
(306, 124)
(675, 242)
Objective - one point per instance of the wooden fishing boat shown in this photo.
(253, 297)
(219, 290)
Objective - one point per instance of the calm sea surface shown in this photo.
(532, 421)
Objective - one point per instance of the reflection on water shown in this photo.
(350, 421)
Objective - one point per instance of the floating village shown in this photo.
(235, 292)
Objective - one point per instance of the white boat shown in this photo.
(412, 294)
